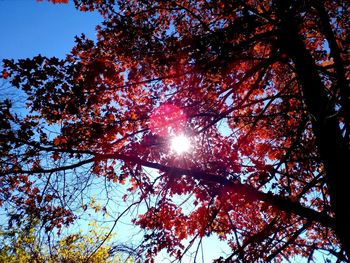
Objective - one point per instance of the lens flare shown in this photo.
(167, 120)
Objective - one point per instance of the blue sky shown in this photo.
(29, 28)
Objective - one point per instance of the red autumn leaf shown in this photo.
(5, 74)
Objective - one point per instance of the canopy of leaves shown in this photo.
(261, 90)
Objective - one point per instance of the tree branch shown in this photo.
(57, 169)
(249, 192)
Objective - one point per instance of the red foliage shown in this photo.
(252, 83)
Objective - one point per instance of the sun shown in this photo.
(180, 144)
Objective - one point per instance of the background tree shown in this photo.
(22, 243)
(259, 88)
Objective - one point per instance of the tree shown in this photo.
(22, 244)
(260, 88)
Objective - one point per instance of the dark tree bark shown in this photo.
(331, 145)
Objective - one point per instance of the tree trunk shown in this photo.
(330, 142)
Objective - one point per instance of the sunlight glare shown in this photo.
(180, 144)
